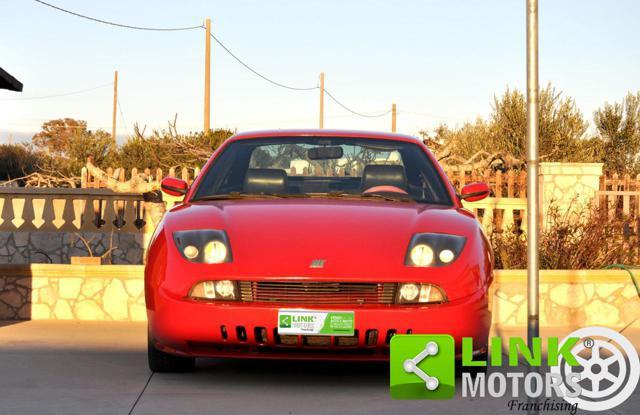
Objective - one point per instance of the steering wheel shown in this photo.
(385, 189)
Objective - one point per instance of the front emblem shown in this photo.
(317, 263)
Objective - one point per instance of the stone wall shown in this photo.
(40, 247)
(116, 292)
(569, 304)
(72, 292)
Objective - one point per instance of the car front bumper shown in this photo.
(249, 330)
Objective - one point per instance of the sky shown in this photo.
(439, 61)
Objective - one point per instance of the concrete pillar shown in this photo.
(571, 187)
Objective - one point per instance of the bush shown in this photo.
(167, 148)
(588, 240)
(66, 144)
(17, 160)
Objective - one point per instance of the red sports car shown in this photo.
(315, 244)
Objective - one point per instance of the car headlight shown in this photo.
(214, 290)
(203, 246)
(414, 293)
(433, 249)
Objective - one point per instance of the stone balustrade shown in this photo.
(44, 225)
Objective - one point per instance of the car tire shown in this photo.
(168, 363)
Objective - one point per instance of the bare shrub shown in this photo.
(587, 240)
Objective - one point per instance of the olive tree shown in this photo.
(618, 127)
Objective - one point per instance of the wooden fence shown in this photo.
(506, 208)
(500, 213)
(619, 201)
(510, 184)
(619, 196)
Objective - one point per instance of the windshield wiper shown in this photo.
(392, 197)
(238, 195)
(339, 193)
(389, 197)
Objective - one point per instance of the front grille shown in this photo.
(317, 292)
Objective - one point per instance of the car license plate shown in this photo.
(310, 322)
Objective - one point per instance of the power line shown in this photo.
(233, 55)
(226, 49)
(178, 29)
(360, 114)
(58, 95)
(155, 29)
(124, 121)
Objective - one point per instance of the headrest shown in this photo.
(383, 175)
(265, 181)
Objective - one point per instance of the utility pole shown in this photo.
(207, 76)
(393, 118)
(321, 99)
(115, 107)
(533, 191)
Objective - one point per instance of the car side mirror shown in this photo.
(475, 191)
(174, 187)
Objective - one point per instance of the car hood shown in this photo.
(359, 239)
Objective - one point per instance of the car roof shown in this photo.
(322, 132)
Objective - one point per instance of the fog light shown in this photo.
(409, 292)
(214, 290)
(225, 288)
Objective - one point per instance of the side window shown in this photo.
(423, 177)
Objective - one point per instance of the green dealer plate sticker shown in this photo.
(310, 322)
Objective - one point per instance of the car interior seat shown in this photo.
(265, 181)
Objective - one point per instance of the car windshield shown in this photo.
(323, 167)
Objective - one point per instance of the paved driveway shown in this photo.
(49, 367)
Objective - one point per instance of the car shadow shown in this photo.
(292, 371)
